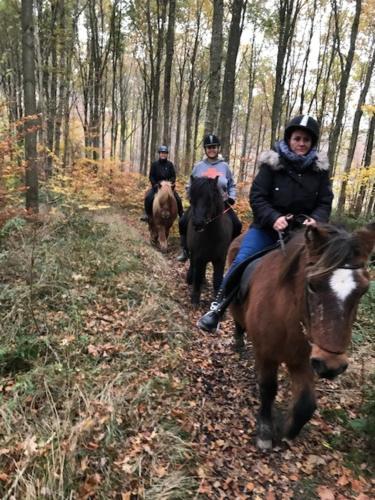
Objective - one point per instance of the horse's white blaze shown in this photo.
(343, 283)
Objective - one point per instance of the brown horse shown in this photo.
(299, 310)
(164, 213)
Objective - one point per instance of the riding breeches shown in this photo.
(149, 199)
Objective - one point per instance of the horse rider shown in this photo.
(293, 179)
(212, 165)
(161, 170)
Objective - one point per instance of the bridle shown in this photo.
(303, 323)
(207, 222)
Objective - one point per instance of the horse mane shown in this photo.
(339, 248)
(294, 250)
(206, 188)
(162, 196)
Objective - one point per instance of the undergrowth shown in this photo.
(91, 345)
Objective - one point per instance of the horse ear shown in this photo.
(217, 180)
(366, 239)
(316, 237)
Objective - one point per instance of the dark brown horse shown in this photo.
(209, 234)
(164, 213)
(299, 311)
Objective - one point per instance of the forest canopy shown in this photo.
(113, 79)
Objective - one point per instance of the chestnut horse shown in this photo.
(164, 213)
(209, 234)
(299, 310)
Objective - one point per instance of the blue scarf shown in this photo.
(298, 161)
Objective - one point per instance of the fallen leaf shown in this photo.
(325, 493)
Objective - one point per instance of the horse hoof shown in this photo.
(264, 444)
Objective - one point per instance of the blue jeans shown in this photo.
(253, 242)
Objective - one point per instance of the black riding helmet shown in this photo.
(211, 140)
(163, 149)
(304, 122)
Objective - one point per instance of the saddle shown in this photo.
(238, 284)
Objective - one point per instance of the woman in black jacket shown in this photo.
(293, 179)
(161, 170)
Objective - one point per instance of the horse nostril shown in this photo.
(319, 366)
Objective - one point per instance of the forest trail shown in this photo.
(221, 398)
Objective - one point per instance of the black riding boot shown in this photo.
(184, 255)
(211, 320)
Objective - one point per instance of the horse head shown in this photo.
(206, 201)
(336, 278)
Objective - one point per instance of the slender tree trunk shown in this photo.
(252, 68)
(288, 11)
(332, 149)
(366, 164)
(306, 60)
(355, 130)
(191, 91)
(216, 50)
(28, 63)
(169, 51)
(227, 95)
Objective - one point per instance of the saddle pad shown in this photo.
(246, 280)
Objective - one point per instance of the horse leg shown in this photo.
(199, 271)
(304, 400)
(153, 234)
(239, 344)
(268, 391)
(162, 239)
(189, 275)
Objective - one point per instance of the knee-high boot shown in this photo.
(184, 255)
(211, 320)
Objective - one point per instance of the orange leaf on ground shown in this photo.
(325, 493)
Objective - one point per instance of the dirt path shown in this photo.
(219, 411)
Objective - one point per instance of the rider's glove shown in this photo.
(231, 201)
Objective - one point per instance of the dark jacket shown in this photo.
(280, 189)
(162, 170)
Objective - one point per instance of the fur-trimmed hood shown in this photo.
(273, 159)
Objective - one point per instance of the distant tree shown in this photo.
(346, 66)
(216, 49)
(238, 9)
(30, 122)
(355, 127)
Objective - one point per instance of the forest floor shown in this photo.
(223, 399)
(109, 390)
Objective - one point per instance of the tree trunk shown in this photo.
(288, 11)
(332, 149)
(191, 91)
(169, 51)
(227, 95)
(355, 130)
(28, 63)
(216, 49)
(366, 164)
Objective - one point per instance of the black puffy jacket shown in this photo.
(162, 170)
(280, 188)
